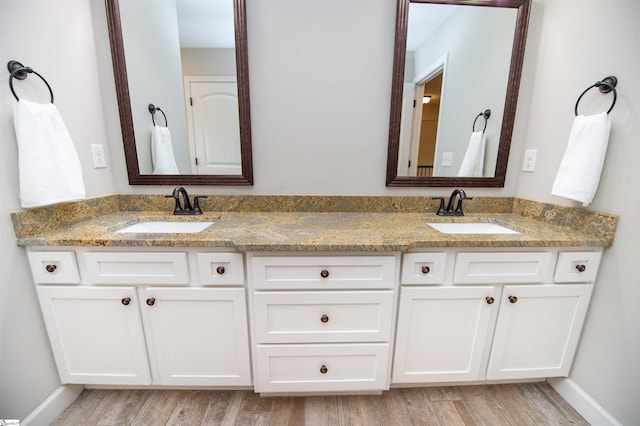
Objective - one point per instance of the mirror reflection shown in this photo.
(456, 76)
(183, 94)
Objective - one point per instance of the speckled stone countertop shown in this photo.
(315, 223)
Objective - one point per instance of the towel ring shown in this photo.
(152, 110)
(21, 72)
(608, 84)
(486, 114)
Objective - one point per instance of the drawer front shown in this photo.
(137, 268)
(320, 272)
(423, 268)
(302, 317)
(575, 267)
(53, 267)
(322, 368)
(486, 268)
(220, 268)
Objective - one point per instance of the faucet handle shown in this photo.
(196, 204)
(441, 210)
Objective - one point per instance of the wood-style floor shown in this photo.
(513, 404)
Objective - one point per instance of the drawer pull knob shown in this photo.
(513, 299)
(151, 301)
(324, 319)
(324, 273)
(490, 300)
(220, 270)
(426, 270)
(51, 268)
(581, 268)
(126, 301)
(324, 369)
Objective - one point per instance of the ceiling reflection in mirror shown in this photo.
(452, 63)
(182, 58)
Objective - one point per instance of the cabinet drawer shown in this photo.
(53, 267)
(302, 317)
(574, 267)
(220, 268)
(322, 368)
(323, 272)
(423, 268)
(485, 268)
(137, 268)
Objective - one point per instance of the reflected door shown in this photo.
(214, 126)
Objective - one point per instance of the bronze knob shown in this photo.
(324, 273)
(151, 301)
(324, 319)
(51, 268)
(126, 301)
(490, 300)
(324, 369)
(426, 269)
(513, 299)
(581, 268)
(220, 270)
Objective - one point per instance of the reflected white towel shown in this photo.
(579, 172)
(164, 163)
(473, 161)
(49, 166)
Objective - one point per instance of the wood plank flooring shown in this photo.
(512, 404)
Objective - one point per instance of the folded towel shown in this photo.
(579, 172)
(473, 161)
(48, 164)
(164, 163)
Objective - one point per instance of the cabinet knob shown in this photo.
(513, 299)
(581, 268)
(490, 300)
(51, 268)
(151, 301)
(426, 270)
(220, 270)
(324, 273)
(324, 319)
(126, 301)
(324, 369)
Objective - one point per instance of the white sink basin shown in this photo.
(166, 227)
(471, 228)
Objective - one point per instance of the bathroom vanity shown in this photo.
(299, 302)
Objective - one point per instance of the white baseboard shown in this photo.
(53, 406)
(588, 408)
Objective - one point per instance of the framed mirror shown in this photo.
(456, 76)
(182, 83)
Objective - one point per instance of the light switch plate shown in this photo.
(97, 151)
(447, 159)
(529, 162)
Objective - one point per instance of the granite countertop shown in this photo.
(539, 225)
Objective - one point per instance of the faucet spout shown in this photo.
(188, 209)
(450, 210)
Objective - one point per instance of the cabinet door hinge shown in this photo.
(196, 161)
(191, 101)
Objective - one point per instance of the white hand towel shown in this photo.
(473, 160)
(164, 163)
(579, 172)
(49, 166)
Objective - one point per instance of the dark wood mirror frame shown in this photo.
(126, 120)
(522, 21)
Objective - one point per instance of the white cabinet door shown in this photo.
(442, 332)
(198, 336)
(537, 330)
(96, 334)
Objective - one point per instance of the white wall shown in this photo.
(572, 44)
(56, 39)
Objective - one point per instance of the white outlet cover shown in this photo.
(529, 162)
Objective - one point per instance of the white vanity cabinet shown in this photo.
(322, 323)
(175, 317)
(491, 315)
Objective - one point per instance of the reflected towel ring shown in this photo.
(152, 110)
(608, 84)
(486, 114)
(21, 72)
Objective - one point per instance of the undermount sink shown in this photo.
(471, 228)
(166, 227)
